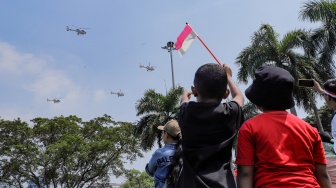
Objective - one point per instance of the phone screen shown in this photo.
(306, 83)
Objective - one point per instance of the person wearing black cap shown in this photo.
(276, 148)
(209, 128)
(159, 164)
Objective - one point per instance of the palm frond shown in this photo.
(318, 10)
(151, 102)
(156, 109)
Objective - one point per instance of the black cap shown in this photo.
(272, 88)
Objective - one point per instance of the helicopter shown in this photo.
(80, 31)
(119, 94)
(54, 100)
(148, 67)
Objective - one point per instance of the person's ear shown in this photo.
(227, 93)
(194, 91)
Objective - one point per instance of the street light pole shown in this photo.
(170, 47)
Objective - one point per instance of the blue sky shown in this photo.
(39, 59)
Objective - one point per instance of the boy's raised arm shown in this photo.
(236, 94)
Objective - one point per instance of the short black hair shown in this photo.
(211, 81)
(330, 85)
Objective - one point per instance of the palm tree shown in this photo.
(291, 53)
(326, 115)
(156, 109)
(324, 37)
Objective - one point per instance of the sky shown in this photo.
(40, 59)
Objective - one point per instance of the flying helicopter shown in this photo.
(148, 67)
(54, 100)
(119, 94)
(80, 31)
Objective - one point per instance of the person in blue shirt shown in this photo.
(158, 166)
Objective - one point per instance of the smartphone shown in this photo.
(306, 83)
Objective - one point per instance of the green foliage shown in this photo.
(156, 109)
(65, 151)
(325, 114)
(323, 37)
(293, 52)
(250, 110)
(137, 179)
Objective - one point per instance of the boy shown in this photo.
(209, 128)
(158, 165)
(276, 148)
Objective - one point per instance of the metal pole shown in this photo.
(170, 48)
(171, 45)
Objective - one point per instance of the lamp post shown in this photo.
(170, 47)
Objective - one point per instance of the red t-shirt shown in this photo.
(282, 148)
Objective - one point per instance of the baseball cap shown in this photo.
(171, 127)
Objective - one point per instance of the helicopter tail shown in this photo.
(68, 29)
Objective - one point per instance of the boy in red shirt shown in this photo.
(276, 148)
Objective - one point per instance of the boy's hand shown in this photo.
(317, 87)
(227, 70)
(185, 96)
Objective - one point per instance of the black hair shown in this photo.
(330, 85)
(211, 81)
(175, 166)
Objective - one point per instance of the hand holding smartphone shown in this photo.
(306, 83)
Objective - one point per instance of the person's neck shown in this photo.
(170, 142)
(333, 105)
(262, 109)
(200, 99)
(334, 108)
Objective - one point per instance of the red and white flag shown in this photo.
(185, 39)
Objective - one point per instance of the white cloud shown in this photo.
(51, 83)
(11, 113)
(30, 73)
(99, 96)
(14, 62)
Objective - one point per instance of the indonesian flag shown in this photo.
(184, 40)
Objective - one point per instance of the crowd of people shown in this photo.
(274, 148)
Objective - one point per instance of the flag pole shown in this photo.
(199, 38)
